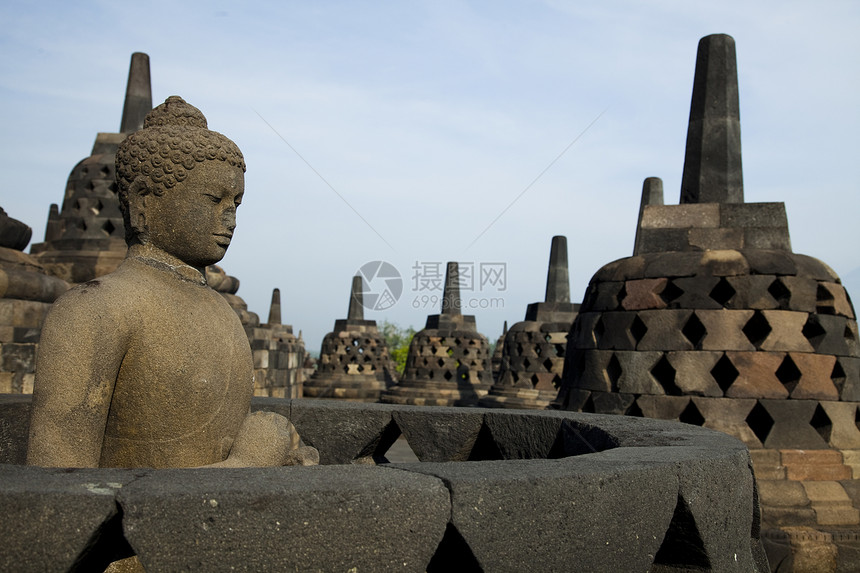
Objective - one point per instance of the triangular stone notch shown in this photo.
(682, 548)
(453, 554)
(400, 452)
(108, 544)
(379, 446)
(485, 447)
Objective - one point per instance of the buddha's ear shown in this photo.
(138, 192)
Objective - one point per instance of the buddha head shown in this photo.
(180, 184)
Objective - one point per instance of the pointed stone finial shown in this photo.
(652, 194)
(451, 296)
(356, 300)
(275, 307)
(505, 328)
(557, 279)
(712, 165)
(138, 94)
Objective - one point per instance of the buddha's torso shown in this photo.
(186, 380)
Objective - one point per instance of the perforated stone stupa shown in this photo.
(449, 361)
(354, 362)
(533, 352)
(86, 239)
(715, 322)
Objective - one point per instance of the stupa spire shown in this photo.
(356, 300)
(138, 94)
(712, 164)
(451, 296)
(557, 279)
(275, 307)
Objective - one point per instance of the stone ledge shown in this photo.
(686, 492)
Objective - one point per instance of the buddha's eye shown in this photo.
(214, 198)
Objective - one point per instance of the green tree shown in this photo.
(397, 339)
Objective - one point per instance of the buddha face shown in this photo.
(194, 221)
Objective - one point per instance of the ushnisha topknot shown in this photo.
(175, 111)
(174, 138)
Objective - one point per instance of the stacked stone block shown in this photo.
(354, 362)
(533, 352)
(26, 294)
(715, 322)
(86, 239)
(448, 362)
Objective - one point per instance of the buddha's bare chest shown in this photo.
(187, 370)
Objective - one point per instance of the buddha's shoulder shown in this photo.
(121, 289)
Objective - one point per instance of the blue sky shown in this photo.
(430, 117)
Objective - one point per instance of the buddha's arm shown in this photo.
(80, 353)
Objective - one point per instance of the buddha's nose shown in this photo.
(229, 219)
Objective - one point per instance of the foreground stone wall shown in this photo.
(548, 491)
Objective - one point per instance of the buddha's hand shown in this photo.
(267, 439)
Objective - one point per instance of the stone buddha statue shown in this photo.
(148, 366)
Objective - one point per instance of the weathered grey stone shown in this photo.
(593, 367)
(333, 428)
(663, 264)
(751, 292)
(603, 296)
(446, 434)
(728, 416)
(662, 407)
(712, 163)
(664, 330)
(639, 520)
(285, 519)
(60, 519)
(696, 293)
(765, 262)
(14, 427)
(724, 329)
(786, 332)
(844, 433)
(698, 216)
(815, 382)
(791, 425)
(612, 402)
(13, 233)
(652, 194)
(724, 263)
(813, 268)
(753, 215)
(756, 375)
(693, 372)
(635, 372)
(663, 240)
(767, 238)
(613, 331)
(846, 376)
(621, 270)
(644, 294)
